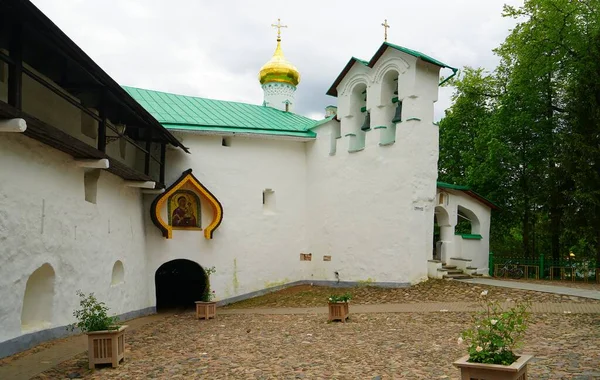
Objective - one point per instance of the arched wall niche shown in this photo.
(118, 273)
(38, 300)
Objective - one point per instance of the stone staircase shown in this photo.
(459, 268)
(451, 272)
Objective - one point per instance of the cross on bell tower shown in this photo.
(385, 27)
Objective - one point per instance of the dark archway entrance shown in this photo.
(179, 283)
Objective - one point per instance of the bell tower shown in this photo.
(279, 78)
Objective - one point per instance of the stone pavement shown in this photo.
(429, 307)
(33, 364)
(586, 293)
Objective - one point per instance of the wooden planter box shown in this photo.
(106, 347)
(206, 310)
(338, 311)
(515, 371)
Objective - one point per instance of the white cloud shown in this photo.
(214, 49)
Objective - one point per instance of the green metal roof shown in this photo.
(200, 114)
(414, 53)
(333, 89)
(468, 191)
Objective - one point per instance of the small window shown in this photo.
(268, 201)
(442, 199)
(226, 141)
(2, 72)
(287, 107)
(90, 180)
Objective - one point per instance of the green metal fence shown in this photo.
(544, 268)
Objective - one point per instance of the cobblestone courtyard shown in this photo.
(411, 345)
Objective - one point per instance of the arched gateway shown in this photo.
(179, 283)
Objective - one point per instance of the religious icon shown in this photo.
(184, 209)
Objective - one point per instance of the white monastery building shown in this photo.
(133, 194)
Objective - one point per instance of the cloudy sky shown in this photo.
(215, 49)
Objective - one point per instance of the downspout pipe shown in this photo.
(454, 71)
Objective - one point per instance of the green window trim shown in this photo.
(349, 134)
(380, 127)
(413, 118)
(395, 99)
(469, 236)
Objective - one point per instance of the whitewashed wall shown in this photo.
(44, 218)
(455, 245)
(371, 210)
(251, 250)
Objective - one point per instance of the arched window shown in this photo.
(467, 223)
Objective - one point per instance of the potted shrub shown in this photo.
(207, 308)
(106, 339)
(338, 307)
(496, 332)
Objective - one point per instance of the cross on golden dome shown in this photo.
(278, 26)
(385, 27)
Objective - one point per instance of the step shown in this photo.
(455, 271)
(477, 274)
(448, 266)
(457, 276)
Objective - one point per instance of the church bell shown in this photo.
(398, 116)
(367, 124)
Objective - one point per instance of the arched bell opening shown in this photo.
(179, 284)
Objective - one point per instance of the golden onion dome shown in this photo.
(279, 69)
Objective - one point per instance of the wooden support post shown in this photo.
(102, 125)
(163, 156)
(13, 125)
(15, 71)
(148, 153)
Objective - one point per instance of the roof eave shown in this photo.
(333, 89)
(467, 190)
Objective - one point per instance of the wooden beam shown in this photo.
(163, 162)
(95, 164)
(15, 71)
(102, 126)
(141, 184)
(13, 125)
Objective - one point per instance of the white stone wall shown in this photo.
(456, 246)
(253, 248)
(372, 196)
(277, 95)
(44, 218)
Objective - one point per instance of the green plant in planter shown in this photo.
(208, 294)
(92, 315)
(340, 298)
(496, 332)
